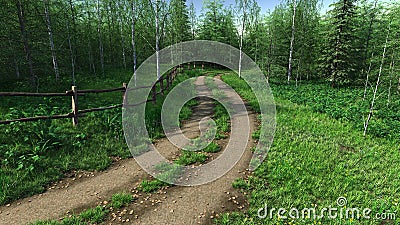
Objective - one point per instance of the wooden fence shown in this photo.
(164, 82)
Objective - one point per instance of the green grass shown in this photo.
(166, 172)
(315, 159)
(152, 185)
(190, 157)
(94, 215)
(121, 199)
(212, 148)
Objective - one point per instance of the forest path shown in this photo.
(172, 205)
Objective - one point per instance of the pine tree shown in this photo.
(338, 59)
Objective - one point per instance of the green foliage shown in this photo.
(190, 157)
(240, 183)
(151, 186)
(212, 148)
(74, 220)
(217, 23)
(47, 222)
(338, 59)
(94, 215)
(121, 199)
(346, 105)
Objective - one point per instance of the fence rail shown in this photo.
(67, 93)
(75, 92)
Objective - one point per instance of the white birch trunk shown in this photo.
(241, 37)
(367, 78)
(101, 49)
(133, 40)
(157, 39)
(92, 65)
(292, 43)
(71, 52)
(53, 51)
(121, 32)
(391, 80)
(377, 85)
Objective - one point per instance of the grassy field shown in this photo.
(318, 156)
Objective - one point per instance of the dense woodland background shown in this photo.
(63, 40)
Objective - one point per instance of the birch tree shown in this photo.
(24, 35)
(292, 41)
(378, 82)
(156, 9)
(122, 5)
(72, 54)
(53, 51)
(133, 38)
(193, 21)
(243, 8)
(99, 24)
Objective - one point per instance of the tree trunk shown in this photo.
(74, 30)
(133, 40)
(270, 50)
(101, 49)
(71, 51)
(109, 25)
(241, 37)
(15, 61)
(377, 84)
(21, 19)
(367, 78)
(391, 79)
(157, 39)
(92, 65)
(370, 30)
(292, 43)
(297, 72)
(120, 23)
(53, 51)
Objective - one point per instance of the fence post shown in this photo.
(162, 85)
(74, 105)
(172, 76)
(189, 66)
(124, 85)
(167, 80)
(202, 66)
(154, 91)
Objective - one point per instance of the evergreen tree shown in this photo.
(338, 58)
